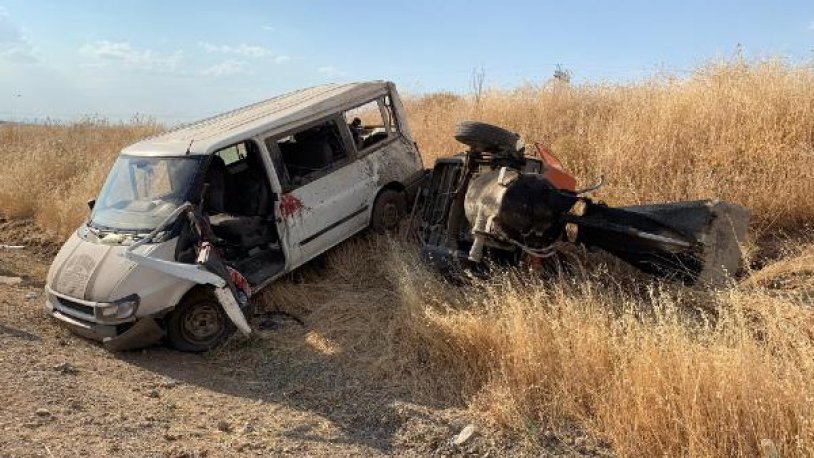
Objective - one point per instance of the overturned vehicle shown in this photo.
(193, 222)
(503, 200)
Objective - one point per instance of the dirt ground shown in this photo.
(63, 395)
(66, 396)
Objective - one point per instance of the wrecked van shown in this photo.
(191, 223)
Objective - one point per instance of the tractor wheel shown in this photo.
(485, 137)
(198, 323)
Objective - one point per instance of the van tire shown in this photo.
(485, 137)
(198, 323)
(389, 207)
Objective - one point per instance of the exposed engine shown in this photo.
(498, 201)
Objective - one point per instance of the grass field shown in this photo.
(650, 368)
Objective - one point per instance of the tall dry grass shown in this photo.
(663, 384)
(48, 172)
(734, 130)
(652, 369)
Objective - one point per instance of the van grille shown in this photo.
(76, 307)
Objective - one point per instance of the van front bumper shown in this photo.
(118, 334)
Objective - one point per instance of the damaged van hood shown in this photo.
(77, 269)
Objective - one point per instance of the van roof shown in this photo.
(275, 114)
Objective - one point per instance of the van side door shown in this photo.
(383, 144)
(325, 189)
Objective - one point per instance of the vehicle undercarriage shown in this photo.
(502, 200)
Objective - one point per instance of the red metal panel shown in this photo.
(555, 173)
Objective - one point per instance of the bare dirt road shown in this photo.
(66, 396)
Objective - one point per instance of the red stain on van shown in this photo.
(290, 205)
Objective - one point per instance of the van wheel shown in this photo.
(388, 209)
(198, 323)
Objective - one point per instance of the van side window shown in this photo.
(310, 153)
(371, 123)
(390, 114)
(238, 181)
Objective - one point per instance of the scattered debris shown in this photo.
(248, 428)
(66, 368)
(579, 441)
(169, 384)
(31, 295)
(42, 412)
(11, 247)
(277, 319)
(153, 394)
(224, 426)
(75, 404)
(768, 449)
(113, 239)
(465, 435)
(11, 281)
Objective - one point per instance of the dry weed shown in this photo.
(653, 369)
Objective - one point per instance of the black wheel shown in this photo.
(388, 209)
(198, 323)
(485, 137)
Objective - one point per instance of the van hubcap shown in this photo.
(202, 324)
(390, 215)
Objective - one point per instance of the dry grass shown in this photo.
(661, 385)
(653, 369)
(48, 172)
(732, 130)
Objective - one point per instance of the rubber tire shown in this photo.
(196, 298)
(482, 136)
(380, 219)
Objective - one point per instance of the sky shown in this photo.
(179, 61)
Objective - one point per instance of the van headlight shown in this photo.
(120, 309)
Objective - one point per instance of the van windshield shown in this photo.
(140, 192)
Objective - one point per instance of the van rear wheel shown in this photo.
(388, 209)
(198, 323)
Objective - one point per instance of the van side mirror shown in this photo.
(91, 204)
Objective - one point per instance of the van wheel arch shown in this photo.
(198, 322)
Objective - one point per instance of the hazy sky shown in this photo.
(178, 61)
